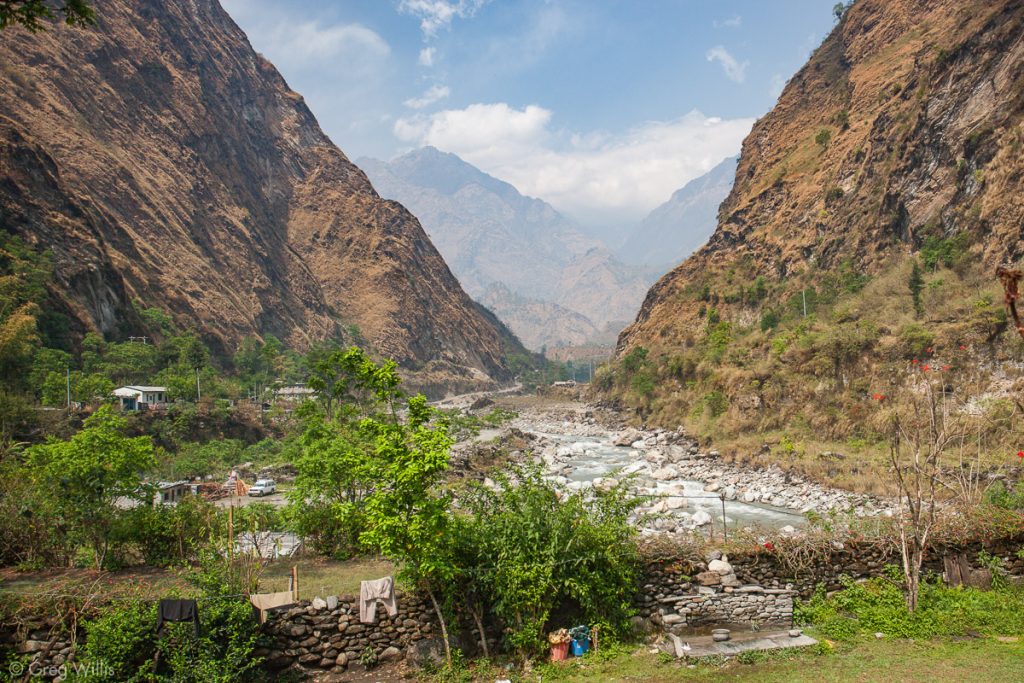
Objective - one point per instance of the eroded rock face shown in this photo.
(163, 161)
(922, 104)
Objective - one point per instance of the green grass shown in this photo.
(884, 661)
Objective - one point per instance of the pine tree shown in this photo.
(916, 284)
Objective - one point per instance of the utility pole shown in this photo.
(69, 389)
(199, 392)
(803, 293)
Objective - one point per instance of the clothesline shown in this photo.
(113, 597)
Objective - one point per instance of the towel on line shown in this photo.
(266, 601)
(372, 592)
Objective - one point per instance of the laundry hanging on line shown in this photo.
(177, 611)
(266, 601)
(377, 591)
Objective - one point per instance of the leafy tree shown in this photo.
(916, 285)
(350, 377)
(32, 13)
(85, 476)
(541, 546)
(408, 514)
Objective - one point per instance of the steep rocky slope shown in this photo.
(900, 141)
(680, 226)
(163, 161)
(517, 254)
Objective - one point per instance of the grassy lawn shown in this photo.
(317, 576)
(885, 661)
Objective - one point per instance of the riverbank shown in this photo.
(580, 445)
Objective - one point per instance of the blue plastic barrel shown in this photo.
(580, 647)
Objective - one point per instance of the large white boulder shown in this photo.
(700, 518)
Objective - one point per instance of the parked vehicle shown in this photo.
(263, 487)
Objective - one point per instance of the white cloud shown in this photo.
(437, 14)
(311, 42)
(734, 70)
(596, 177)
(427, 56)
(434, 94)
(734, 21)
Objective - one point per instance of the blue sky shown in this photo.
(601, 107)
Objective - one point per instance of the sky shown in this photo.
(603, 108)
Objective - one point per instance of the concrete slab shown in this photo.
(705, 646)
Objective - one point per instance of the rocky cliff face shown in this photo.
(517, 254)
(903, 129)
(855, 255)
(680, 226)
(163, 161)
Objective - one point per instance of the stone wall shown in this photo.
(327, 635)
(681, 594)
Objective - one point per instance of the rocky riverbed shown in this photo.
(687, 487)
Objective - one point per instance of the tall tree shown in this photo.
(85, 477)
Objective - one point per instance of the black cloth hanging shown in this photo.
(177, 611)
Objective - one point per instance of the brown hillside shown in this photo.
(922, 102)
(163, 161)
(900, 141)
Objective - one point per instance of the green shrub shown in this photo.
(878, 606)
(997, 494)
(914, 340)
(769, 320)
(716, 403)
(822, 137)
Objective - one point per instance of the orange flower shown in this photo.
(926, 367)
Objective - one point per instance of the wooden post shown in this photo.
(295, 582)
(231, 531)
(725, 526)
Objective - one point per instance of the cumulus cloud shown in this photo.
(434, 94)
(734, 21)
(437, 14)
(734, 70)
(597, 177)
(427, 56)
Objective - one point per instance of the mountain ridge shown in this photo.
(493, 235)
(164, 161)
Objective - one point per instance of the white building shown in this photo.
(140, 397)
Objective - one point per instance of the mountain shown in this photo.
(163, 161)
(491, 235)
(898, 143)
(680, 226)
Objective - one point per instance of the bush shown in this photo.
(540, 553)
(914, 340)
(1011, 499)
(823, 137)
(878, 605)
(716, 403)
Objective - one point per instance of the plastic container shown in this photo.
(580, 647)
(560, 652)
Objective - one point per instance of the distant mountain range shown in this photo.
(531, 265)
(680, 226)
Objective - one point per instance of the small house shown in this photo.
(170, 492)
(141, 397)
